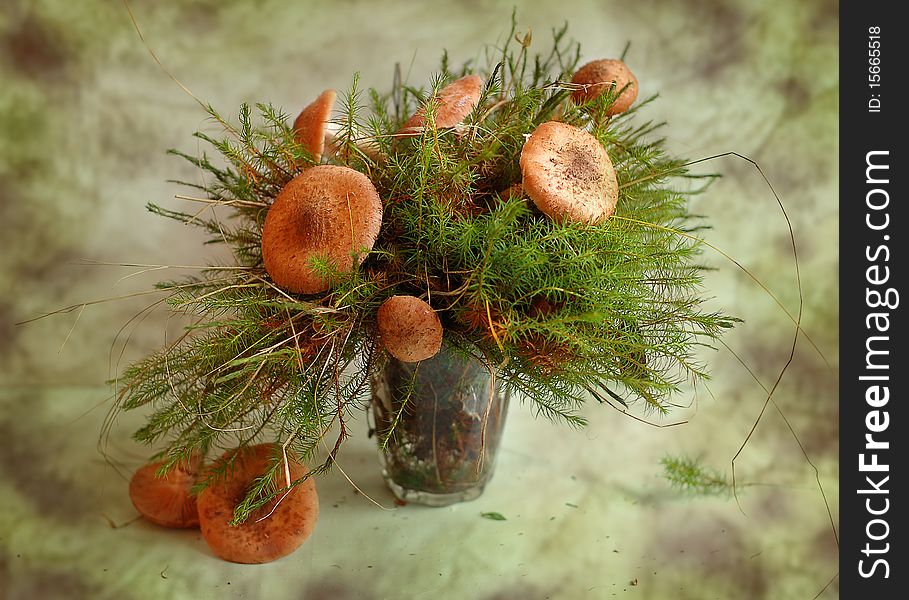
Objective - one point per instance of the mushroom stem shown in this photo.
(366, 145)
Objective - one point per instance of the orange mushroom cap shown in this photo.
(270, 532)
(409, 329)
(327, 211)
(604, 74)
(568, 174)
(453, 103)
(311, 124)
(515, 190)
(167, 500)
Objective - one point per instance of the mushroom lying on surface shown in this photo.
(311, 125)
(606, 74)
(166, 501)
(452, 105)
(327, 211)
(568, 174)
(409, 329)
(270, 532)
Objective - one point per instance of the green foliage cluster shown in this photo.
(562, 312)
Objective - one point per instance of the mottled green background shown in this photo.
(85, 117)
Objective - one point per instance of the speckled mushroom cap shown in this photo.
(409, 329)
(166, 501)
(272, 531)
(454, 103)
(326, 211)
(599, 76)
(311, 124)
(568, 174)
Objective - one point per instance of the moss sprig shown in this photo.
(689, 476)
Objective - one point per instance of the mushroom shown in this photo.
(453, 103)
(327, 211)
(311, 125)
(516, 190)
(541, 307)
(167, 500)
(568, 174)
(271, 531)
(409, 329)
(605, 74)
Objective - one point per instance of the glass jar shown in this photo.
(439, 423)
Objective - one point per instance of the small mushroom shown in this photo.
(453, 103)
(167, 500)
(484, 319)
(568, 174)
(327, 211)
(514, 191)
(601, 75)
(311, 125)
(409, 329)
(541, 307)
(271, 531)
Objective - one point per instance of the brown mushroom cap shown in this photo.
(270, 532)
(516, 190)
(166, 501)
(599, 76)
(326, 211)
(409, 329)
(453, 103)
(568, 175)
(310, 125)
